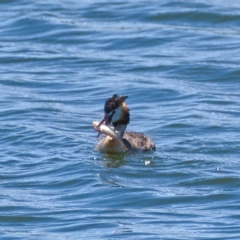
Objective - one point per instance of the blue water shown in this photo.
(178, 61)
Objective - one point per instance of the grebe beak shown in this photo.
(106, 120)
(98, 126)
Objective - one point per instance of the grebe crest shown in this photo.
(117, 117)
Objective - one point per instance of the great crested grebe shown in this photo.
(114, 123)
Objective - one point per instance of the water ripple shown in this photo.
(179, 63)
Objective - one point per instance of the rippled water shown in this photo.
(178, 61)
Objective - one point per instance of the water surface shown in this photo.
(178, 61)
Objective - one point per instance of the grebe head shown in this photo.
(116, 112)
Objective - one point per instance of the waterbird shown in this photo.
(113, 125)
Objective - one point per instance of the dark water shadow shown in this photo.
(115, 160)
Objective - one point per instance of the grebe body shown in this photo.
(113, 125)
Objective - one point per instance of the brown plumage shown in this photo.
(117, 113)
(139, 141)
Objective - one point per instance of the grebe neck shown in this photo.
(121, 129)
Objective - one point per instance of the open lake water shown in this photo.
(179, 63)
